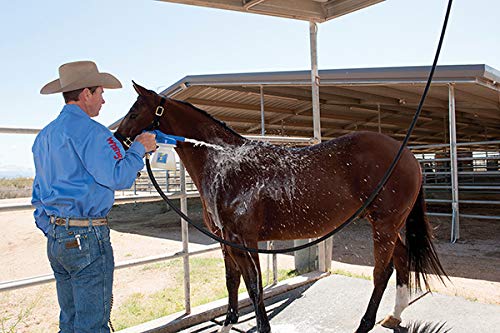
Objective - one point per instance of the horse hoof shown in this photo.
(226, 329)
(390, 322)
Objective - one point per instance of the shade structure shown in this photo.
(308, 10)
(374, 99)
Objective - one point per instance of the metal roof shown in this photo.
(351, 99)
(308, 10)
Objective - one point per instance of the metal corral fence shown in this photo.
(169, 181)
(476, 183)
(472, 183)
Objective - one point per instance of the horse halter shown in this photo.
(155, 124)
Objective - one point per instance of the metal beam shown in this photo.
(282, 117)
(477, 98)
(306, 93)
(298, 93)
(363, 97)
(250, 3)
(8, 130)
(295, 9)
(232, 105)
(409, 97)
(338, 8)
(299, 123)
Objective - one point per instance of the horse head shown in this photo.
(145, 114)
(153, 111)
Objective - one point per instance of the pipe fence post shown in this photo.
(185, 241)
(455, 219)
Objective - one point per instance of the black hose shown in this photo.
(368, 201)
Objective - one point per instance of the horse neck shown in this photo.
(186, 121)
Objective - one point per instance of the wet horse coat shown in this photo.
(253, 191)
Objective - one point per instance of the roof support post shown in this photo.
(455, 225)
(309, 259)
(270, 244)
(185, 241)
(313, 32)
(324, 248)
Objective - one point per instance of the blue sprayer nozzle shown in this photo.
(167, 138)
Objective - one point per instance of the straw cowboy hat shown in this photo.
(78, 75)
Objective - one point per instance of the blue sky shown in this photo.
(158, 43)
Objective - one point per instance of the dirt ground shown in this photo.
(148, 229)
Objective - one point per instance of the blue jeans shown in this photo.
(84, 276)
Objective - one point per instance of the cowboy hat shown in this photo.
(78, 75)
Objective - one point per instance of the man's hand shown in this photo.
(148, 141)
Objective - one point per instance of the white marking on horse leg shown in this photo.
(226, 329)
(402, 300)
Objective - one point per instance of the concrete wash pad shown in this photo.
(336, 304)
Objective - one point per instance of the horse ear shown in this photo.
(139, 89)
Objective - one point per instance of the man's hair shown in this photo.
(73, 94)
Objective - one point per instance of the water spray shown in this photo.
(164, 156)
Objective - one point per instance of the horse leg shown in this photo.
(383, 249)
(400, 259)
(249, 266)
(232, 283)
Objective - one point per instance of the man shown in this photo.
(78, 166)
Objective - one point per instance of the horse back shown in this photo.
(336, 179)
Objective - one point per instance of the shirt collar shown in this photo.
(75, 110)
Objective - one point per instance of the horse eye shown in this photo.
(133, 116)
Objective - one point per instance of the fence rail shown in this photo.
(477, 172)
(37, 280)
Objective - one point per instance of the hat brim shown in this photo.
(104, 80)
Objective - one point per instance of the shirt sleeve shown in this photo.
(41, 217)
(106, 160)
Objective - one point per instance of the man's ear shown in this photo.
(84, 94)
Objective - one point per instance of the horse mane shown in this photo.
(212, 118)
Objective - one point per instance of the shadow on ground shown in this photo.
(246, 322)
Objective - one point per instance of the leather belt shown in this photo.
(74, 222)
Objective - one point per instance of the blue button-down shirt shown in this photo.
(79, 165)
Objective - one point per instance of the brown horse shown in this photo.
(253, 191)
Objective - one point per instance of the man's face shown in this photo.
(94, 101)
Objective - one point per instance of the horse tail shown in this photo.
(422, 257)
